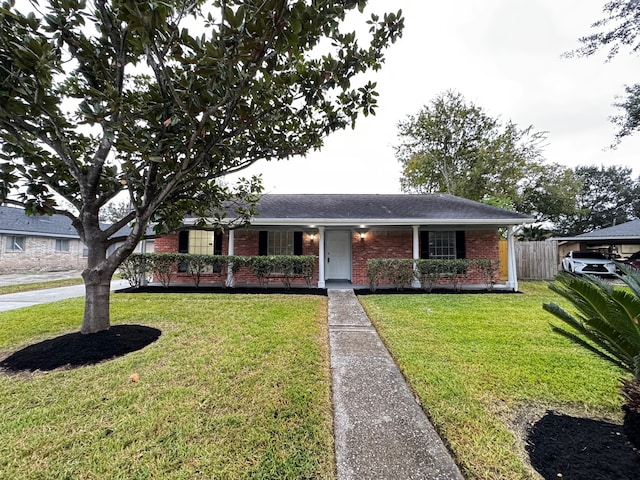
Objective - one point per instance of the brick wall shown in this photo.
(376, 244)
(40, 255)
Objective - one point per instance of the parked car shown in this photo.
(634, 260)
(588, 263)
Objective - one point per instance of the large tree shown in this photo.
(159, 99)
(608, 196)
(454, 146)
(618, 29)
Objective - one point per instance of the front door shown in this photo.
(337, 255)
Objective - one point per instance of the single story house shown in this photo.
(345, 231)
(41, 243)
(619, 241)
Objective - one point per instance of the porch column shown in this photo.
(416, 253)
(230, 280)
(321, 283)
(512, 278)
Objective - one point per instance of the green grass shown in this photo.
(27, 287)
(477, 361)
(236, 387)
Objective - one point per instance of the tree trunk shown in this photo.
(96, 302)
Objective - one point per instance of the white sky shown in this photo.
(505, 56)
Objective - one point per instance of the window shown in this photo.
(280, 242)
(443, 245)
(62, 244)
(15, 243)
(199, 242)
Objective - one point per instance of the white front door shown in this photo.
(337, 255)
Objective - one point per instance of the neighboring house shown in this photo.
(344, 231)
(42, 243)
(618, 241)
(38, 243)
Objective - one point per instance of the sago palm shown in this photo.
(605, 322)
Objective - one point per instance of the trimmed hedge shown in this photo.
(164, 266)
(400, 272)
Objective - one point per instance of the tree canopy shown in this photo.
(454, 146)
(158, 100)
(608, 196)
(619, 29)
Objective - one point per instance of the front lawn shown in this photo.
(478, 362)
(235, 387)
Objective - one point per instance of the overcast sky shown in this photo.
(505, 56)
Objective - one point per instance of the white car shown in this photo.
(588, 263)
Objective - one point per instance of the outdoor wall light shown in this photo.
(312, 237)
(362, 235)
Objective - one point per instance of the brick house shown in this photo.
(45, 243)
(38, 243)
(344, 231)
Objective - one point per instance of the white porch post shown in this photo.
(416, 253)
(321, 283)
(230, 280)
(512, 278)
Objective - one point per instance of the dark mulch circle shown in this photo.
(76, 350)
(573, 448)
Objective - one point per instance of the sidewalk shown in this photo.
(380, 430)
(11, 301)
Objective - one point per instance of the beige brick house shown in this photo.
(38, 243)
(344, 231)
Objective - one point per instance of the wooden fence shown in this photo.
(534, 260)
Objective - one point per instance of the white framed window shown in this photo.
(442, 245)
(280, 243)
(16, 243)
(62, 244)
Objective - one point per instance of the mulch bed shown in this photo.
(565, 447)
(77, 350)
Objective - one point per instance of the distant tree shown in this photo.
(453, 146)
(533, 233)
(159, 99)
(618, 29)
(608, 196)
(114, 211)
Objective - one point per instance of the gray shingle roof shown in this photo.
(13, 221)
(434, 208)
(624, 231)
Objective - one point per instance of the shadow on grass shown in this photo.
(562, 446)
(76, 350)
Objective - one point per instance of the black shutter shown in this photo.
(263, 242)
(183, 241)
(424, 244)
(217, 243)
(461, 251)
(297, 243)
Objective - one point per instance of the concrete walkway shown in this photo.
(380, 430)
(11, 301)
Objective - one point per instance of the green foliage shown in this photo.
(164, 266)
(395, 271)
(160, 100)
(285, 267)
(489, 268)
(400, 272)
(618, 28)
(606, 196)
(605, 320)
(454, 146)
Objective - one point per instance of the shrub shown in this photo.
(489, 268)
(396, 271)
